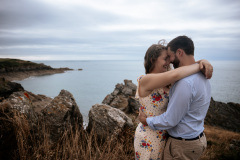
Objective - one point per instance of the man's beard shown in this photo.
(176, 62)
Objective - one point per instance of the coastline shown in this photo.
(21, 75)
(16, 69)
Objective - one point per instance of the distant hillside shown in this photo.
(15, 65)
(16, 69)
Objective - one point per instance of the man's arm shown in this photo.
(177, 109)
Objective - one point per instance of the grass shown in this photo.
(219, 141)
(19, 140)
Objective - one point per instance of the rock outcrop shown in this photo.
(60, 114)
(106, 120)
(123, 97)
(224, 115)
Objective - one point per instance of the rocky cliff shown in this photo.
(224, 115)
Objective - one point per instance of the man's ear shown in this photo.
(180, 52)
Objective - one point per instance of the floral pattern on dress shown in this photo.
(137, 155)
(156, 97)
(142, 128)
(148, 143)
(143, 109)
(162, 134)
(166, 95)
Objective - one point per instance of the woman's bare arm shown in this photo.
(158, 80)
(206, 68)
(153, 81)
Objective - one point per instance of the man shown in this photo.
(189, 99)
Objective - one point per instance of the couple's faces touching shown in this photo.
(173, 58)
(162, 63)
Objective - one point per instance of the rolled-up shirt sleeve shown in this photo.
(178, 106)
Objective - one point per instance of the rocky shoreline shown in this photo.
(117, 114)
(121, 101)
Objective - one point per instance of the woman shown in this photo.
(152, 91)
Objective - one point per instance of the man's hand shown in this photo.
(206, 68)
(142, 117)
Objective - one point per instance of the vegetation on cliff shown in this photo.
(14, 65)
(16, 69)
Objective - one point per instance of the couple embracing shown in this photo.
(174, 103)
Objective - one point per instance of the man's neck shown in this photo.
(188, 60)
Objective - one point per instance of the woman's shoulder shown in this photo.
(140, 77)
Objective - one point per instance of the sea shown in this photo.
(98, 78)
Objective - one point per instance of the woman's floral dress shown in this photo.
(149, 144)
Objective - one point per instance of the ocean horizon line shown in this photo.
(48, 60)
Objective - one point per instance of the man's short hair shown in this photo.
(183, 42)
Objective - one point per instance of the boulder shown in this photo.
(106, 120)
(62, 113)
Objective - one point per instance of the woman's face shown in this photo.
(162, 63)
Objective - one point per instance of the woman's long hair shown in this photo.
(153, 52)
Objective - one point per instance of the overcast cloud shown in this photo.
(116, 29)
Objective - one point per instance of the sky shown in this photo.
(116, 29)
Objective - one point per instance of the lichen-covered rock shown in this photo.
(26, 102)
(62, 113)
(106, 120)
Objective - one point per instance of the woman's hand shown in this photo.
(206, 68)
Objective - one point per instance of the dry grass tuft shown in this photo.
(219, 144)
